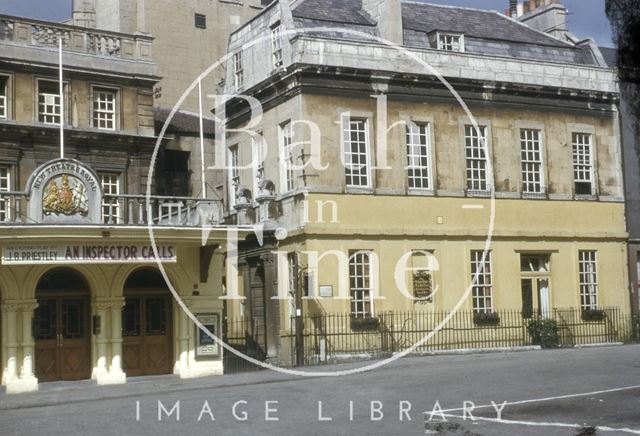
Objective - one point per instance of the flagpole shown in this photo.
(204, 185)
(61, 90)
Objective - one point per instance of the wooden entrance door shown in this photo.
(146, 334)
(61, 332)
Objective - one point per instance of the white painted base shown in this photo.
(111, 378)
(21, 385)
(203, 371)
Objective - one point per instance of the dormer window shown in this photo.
(451, 41)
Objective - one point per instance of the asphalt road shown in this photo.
(593, 391)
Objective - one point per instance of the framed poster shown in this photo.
(326, 291)
(206, 347)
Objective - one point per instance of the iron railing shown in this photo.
(330, 338)
(325, 338)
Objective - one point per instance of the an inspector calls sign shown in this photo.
(83, 253)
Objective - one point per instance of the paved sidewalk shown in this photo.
(69, 392)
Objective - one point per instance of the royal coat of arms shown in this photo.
(67, 198)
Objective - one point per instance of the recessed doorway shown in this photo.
(61, 327)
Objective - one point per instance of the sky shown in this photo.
(586, 17)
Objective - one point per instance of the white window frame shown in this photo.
(238, 70)
(111, 184)
(419, 156)
(276, 45)
(588, 279)
(446, 41)
(5, 186)
(101, 115)
(49, 97)
(287, 158)
(532, 171)
(233, 160)
(361, 273)
(482, 290)
(476, 153)
(4, 98)
(363, 158)
(583, 165)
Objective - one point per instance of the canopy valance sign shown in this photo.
(85, 253)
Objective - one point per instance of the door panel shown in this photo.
(46, 340)
(146, 334)
(131, 339)
(61, 332)
(74, 356)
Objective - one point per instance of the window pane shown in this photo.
(531, 161)
(48, 102)
(111, 207)
(5, 185)
(588, 277)
(3, 97)
(482, 289)
(360, 282)
(418, 156)
(356, 153)
(104, 109)
(475, 151)
(156, 316)
(583, 164)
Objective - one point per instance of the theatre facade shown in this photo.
(89, 260)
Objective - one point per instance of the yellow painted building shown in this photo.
(540, 136)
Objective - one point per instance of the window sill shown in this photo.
(534, 195)
(421, 192)
(358, 191)
(481, 194)
(585, 197)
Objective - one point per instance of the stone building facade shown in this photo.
(81, 288)
(536, 126)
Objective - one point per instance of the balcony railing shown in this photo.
(128, 210)
(91, 41)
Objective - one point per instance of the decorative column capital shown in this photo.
(10, 306)
(116, 303)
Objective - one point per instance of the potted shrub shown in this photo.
(544, 332)
(486, 318)
(593, 315)
(364, 323)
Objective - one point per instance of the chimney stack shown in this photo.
(84, 13)
(513, 8)
(547, 16)
(388, 15)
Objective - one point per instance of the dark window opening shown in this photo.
(145, 278)
(201, 21)
(174, 174)
(583, 188)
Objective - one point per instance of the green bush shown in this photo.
(544, 332)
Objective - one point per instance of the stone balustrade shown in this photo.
(24, 31)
